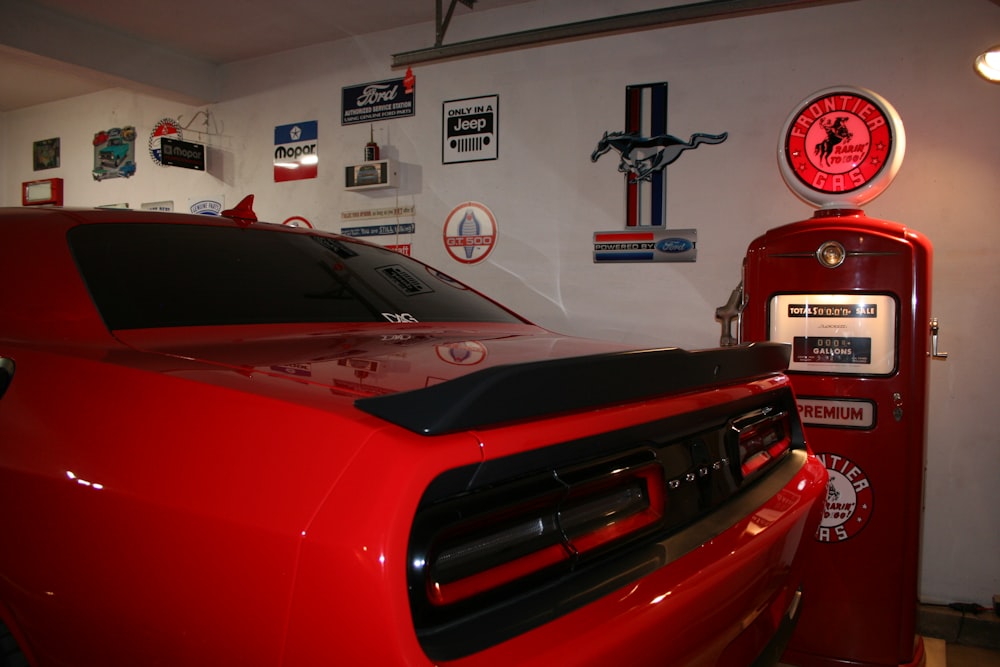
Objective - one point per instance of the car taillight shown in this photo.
(572, 515)
(758, 438)
(508, 544)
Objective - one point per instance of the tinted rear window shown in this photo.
(165, 275)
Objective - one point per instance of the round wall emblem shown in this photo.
(470, 232)
(841, 147)
(165, 127)
(849, 500)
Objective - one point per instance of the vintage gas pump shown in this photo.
(851, 295)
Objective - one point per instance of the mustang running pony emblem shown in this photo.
(643, 156)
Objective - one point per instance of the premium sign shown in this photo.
(177, 153)
(837, 412)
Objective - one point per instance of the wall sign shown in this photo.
(45, 154)
(207, 205)
(379, 100)
(296, 151)
(646, 244)
(398, 211)
(165, 127)
(185, 154)
(114, 153)
(846, 334)
(470, 232)
(644, 151)
(841, 147)
(470, 128)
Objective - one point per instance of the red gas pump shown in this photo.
(851, 295)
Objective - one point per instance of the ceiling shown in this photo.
(57, 49)
(60, 49)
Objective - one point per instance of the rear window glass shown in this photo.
(167, 275)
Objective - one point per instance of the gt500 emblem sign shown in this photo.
(849, 499)
(470, 129)
(296, 151)
(841, 147)
(470, 232)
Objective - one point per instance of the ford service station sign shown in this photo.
(296, 151)
(378, 100)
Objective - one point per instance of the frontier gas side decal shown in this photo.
(296, 151)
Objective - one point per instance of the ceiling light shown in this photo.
(988, 64)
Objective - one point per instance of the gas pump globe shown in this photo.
(851, 296)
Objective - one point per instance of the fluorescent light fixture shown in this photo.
(988, 64)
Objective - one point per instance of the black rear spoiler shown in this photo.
(522, 391)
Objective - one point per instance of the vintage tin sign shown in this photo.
(379, 100)
(646, 244)
(470, 129)
(296, 151)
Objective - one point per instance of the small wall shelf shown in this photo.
(371, 175)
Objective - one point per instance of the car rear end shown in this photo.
(480, 491)
(649, 516)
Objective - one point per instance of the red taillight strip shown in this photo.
(648, 481)
(761, 438)
(592, 515)
(444, 594)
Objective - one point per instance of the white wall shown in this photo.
(742, 76)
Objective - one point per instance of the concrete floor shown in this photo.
(942, 654)
(959, 655)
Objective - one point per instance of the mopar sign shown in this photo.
(176, 153)
(296, 151)
(470, 129)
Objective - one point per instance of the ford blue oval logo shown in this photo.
(674, 245)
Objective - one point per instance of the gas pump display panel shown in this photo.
(837, 334)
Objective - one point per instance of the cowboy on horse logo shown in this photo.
(836, 132)
(640, 157)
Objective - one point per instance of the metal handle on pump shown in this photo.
(934, 341)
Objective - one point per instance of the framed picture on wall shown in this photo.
(45, 154)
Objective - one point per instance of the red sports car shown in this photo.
(227, 442)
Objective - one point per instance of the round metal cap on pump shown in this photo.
(841, 147)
